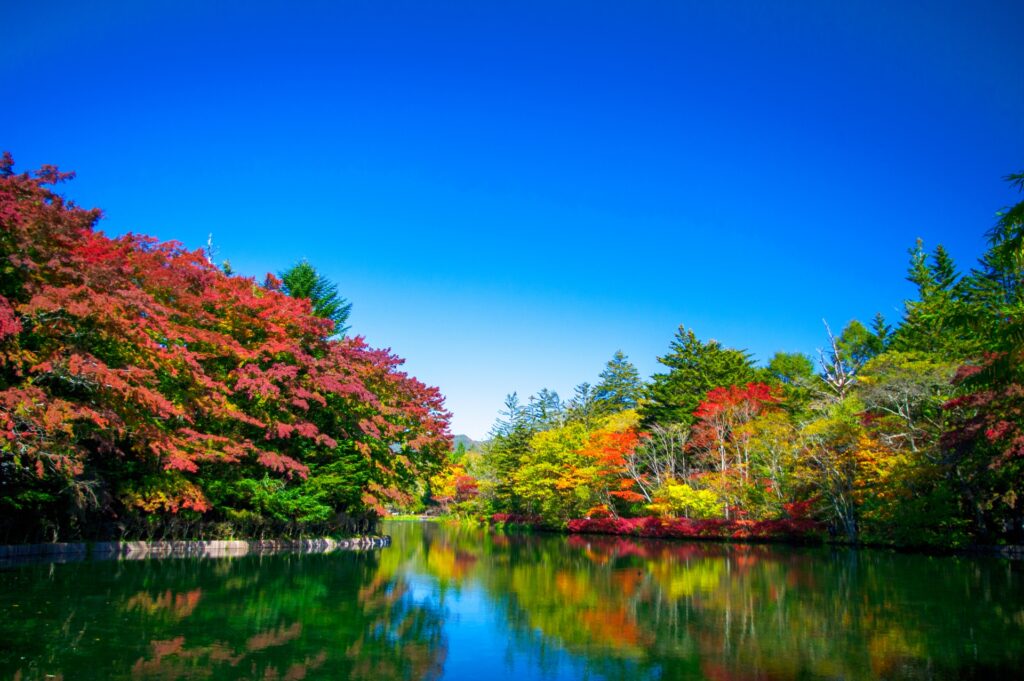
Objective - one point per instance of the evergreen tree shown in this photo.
(511, 418)
(987, 437)
(994, 292)
(944, 269)
(694, 369)
(931, 324)
(583, 407)
(882, 332)
(510, 441)
(301, 280)
(545, 410)
(620, 387)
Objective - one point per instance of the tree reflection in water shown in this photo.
(520, 606)
(277, 617)
(672, 610)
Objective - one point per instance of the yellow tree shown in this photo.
(845, 463)
(772, 441)
(553, 474)
(453, 487)
(572, 471)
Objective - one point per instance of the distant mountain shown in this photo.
(467, 442)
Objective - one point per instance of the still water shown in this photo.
(458, 603)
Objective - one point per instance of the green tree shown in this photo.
(545, 410)
(694, 368)
(857, 345)
(987, 438)
(791, 368)
(510, 441)
(794, 372)
(301, 280)
(933, 322)
(994, 292)
(620, 387)
(583, 406)
(882, 331)
(554, 475)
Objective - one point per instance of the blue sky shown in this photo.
(510, 192)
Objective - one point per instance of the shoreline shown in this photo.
(141, 550)
(1013, 552)
(1009, 552)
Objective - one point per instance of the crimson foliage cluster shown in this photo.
(144, 392)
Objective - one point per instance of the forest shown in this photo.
(906, 433)
(147, 392)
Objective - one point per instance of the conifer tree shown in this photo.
(931, 323)
(694, 368)
(510, 440)
(620, 387)
(583, 407)
(301, 280)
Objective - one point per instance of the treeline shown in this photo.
(904, 434)
(146, 392)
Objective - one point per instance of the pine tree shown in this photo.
(302, 280)
(583, 407)
(620, 387)
(545, 410)
(882, 332)
(510, 441)
(931, 323)
(694, 369)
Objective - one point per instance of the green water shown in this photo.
(455, 603)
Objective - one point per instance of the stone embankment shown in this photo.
(131, 550)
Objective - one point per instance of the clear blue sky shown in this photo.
(510, 192)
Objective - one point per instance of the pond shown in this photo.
(460, 603)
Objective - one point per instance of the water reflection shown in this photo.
(278, 617)
(460, 603)
(648, 609)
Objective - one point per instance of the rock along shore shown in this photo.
(134, 550)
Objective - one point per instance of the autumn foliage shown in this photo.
(140, 387)
(610, 448)
(908, 433)
(687, 528)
